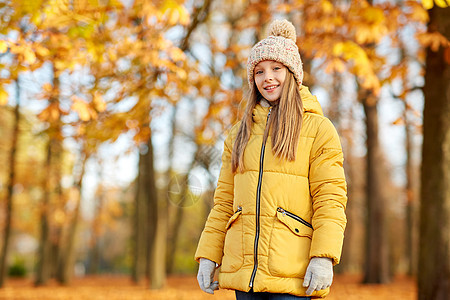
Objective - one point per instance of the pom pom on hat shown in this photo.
(283, 28)
(279, 46)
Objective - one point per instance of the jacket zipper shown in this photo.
(295, 217)
(258, 196)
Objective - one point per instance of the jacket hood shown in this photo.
(310, 104)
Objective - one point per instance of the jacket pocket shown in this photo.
(290, 243)
(293, 222)
(233, 252)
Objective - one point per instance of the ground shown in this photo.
(346, 287)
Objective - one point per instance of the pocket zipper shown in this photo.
(293, 216)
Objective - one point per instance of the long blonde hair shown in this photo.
(285, 122)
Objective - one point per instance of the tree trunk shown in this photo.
(94, 262)
(56, 231)
(10, 189)
(140, 224)
(377, 258)
(434, 251)
(68, 257)
(156, 230)
(349, 251)
(50, 181)
(410, 249)
(42, 270)
(172, 234)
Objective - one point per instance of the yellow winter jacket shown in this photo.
(268, 221)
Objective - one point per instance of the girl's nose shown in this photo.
(269, 76)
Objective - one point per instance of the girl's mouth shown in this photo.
(271, 88)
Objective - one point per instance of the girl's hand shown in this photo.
(319, 274)
(205, 276)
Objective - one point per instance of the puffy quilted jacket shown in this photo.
(268, 221)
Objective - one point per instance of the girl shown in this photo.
(277, 225)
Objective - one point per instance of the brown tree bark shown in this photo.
(68, 256)
(50, 182)
(350, 247)
(434, 251)
(42, 269)
(10, 189)
(156, 234)
(140, 224)
(173, 231)
(94, 262)
(410, 249)
(377, 253)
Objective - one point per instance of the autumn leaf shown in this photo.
(327, 7)
(428, 4)
(3, 97)
(47, 87)
(50, 114)
(99, 103)
(433, 40)
(418, 13)
(176, 13)
(176, 54)
(42, 51)
(81, 107)
(3, 46)
(29, 56)
(399, 121)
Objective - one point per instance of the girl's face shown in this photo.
(269, 79)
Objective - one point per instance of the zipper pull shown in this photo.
(281, 211)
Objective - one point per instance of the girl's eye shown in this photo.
(277, 68)
(258, 72)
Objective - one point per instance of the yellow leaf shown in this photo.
(419, 14)
(99, 103)
(184, 15)
(82, 108)
(176, 54)
(428, 4)
(3, 97)
(42, 51)
(441, 3)
(50, 113)
(327, 6)
(3, 46)
(181, 74)
(176, 13)
(47, 87)
(29, 56)
(338, 49)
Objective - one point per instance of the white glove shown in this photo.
(319, 274)
(205, 276)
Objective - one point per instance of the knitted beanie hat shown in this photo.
(278, 46)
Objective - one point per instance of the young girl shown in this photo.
(277, 225)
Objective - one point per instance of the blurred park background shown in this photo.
(113, 115)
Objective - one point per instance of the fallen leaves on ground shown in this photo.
(111, 287)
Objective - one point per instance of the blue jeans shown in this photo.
(267, 296)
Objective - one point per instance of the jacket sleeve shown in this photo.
(211, 241)
(329, 193)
